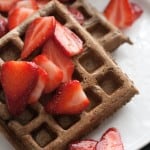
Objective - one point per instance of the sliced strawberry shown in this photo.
(34, 38)
(77, 14)
(3, 26)
(32, 4)
(83, 145)
(69, 99)
(5, 5)
(120, 13)
(18, 79)
(110, 140)
(18, 15)
(71, 44)
(40, 86)
(137, 10)
(55, 75)
(55, 54)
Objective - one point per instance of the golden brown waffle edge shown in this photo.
(102, 80)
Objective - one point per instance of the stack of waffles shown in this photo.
(107, 87)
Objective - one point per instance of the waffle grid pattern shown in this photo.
(104, 83)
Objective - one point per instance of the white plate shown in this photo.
(133, 120)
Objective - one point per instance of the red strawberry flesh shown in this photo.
(71, 44)
(18, 79)
(32, 4)
(83, 145)
(37, 33)
(55, 74)
(6, 5)
(40, 86)
(3, 26)
(77, 14)
(137, 10)
(110, 140)
(119, 12)
(55, 54)
(18, 15)
(69, 99)
(122, 13)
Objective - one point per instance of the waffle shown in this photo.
(107, 87)
(99, 27)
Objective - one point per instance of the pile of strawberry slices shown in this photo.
(19, 10)
(110, 140)
(50, 71)
(121, 13)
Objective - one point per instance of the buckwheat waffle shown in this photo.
(104, 83)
